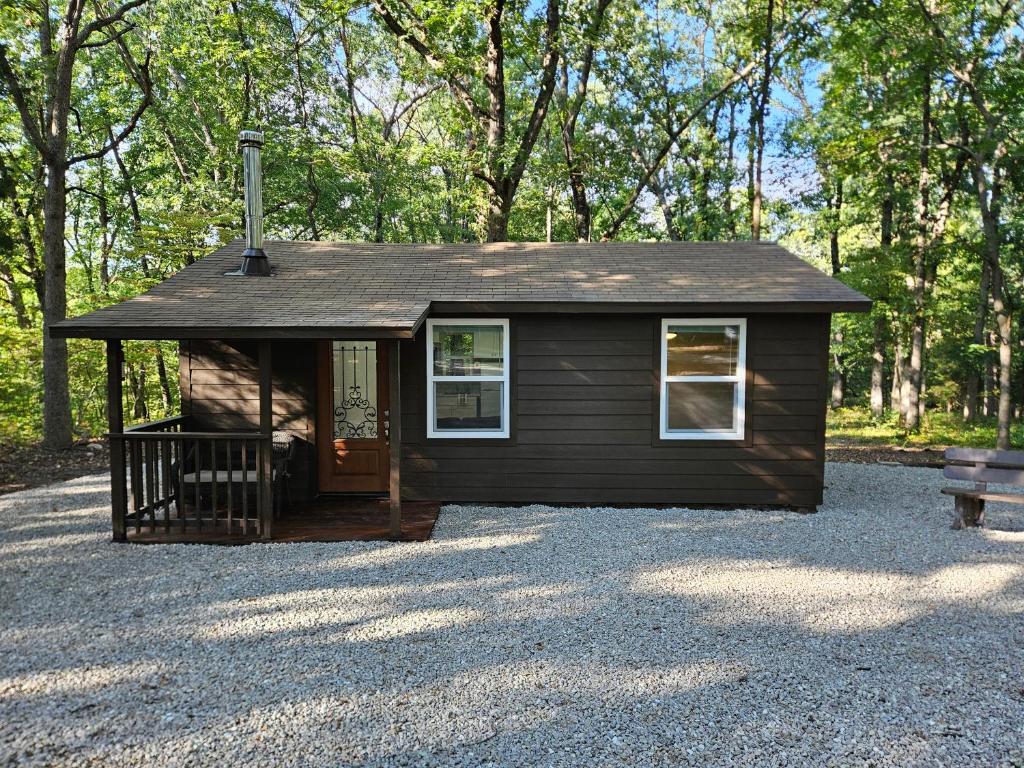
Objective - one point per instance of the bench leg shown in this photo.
(969, 512)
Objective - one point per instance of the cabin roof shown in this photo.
(326, 289)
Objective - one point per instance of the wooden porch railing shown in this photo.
(179, 483)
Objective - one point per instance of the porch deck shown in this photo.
(326, 519)
(172, 482)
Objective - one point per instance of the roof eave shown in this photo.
(623, 307)
(71, 330)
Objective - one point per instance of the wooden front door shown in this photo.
(352, 419)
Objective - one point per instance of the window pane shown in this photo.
(355, 389)
(469, 405)
(701, 405)
(702, 350)
(468, 350)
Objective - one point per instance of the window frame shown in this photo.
(739, 379)
(505, 378)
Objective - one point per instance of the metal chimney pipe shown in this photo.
(254, 258)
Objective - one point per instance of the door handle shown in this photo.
(387, 426)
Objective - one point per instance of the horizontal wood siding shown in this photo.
(220, 390)
(584, 417)
(584, 421)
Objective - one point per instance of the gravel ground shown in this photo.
(868, 634)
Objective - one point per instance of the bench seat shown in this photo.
(1011, 498)
(981, 467)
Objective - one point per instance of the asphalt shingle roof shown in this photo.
(322, 286)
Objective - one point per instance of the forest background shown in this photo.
(880, 141)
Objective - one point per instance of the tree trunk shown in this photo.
(878, 368)
(905, 376)
(972, 384)
(580, 204)
(570, 111)
(133, 198)
(497, 218)
(312, 200)
(667, 211)
(730, 214)
(378, 218)
(915, 364)
(503, 170)
(708, 164)
(922, 393)
(14, 297)
(107, 238)
(1004, 332)
(494, 79)
(172, 146)
(165, 387)
(547, 218)
(56, 399)
(137, 386)
(989, 381)
(35, 269)
(1005, 413)
(312, 187)
(838, 376)
(912, 396)
(971, 392)
(879, 330)
(759, 120)
(751, 145)
(835, 206)
(990, 204)
(888, 210)
(897, 380)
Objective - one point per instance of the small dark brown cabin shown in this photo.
(609, 373)
(625, 374)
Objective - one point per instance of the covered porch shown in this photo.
(180, 480)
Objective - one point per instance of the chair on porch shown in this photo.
(199, 472)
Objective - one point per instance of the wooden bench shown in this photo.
(981, 467)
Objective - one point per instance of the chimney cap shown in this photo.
(250, 138)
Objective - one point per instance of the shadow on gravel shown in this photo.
(530, 636)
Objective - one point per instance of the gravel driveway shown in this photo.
(868, 634)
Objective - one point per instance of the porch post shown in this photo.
(395, 439)
(115, 426)
(266, 429)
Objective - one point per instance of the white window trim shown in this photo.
(505, 378)
(739, 378)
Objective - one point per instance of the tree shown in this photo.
(569, 108)
(684, 110)
(8, 238)
(760, 95)
(504, 159)
(44, 108)
(985, 56)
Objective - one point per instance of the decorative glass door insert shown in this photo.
(355, 389)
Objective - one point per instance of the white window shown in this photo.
(467, 378)
(703, 377)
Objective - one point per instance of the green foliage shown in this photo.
(855, 426)
(21, 368)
